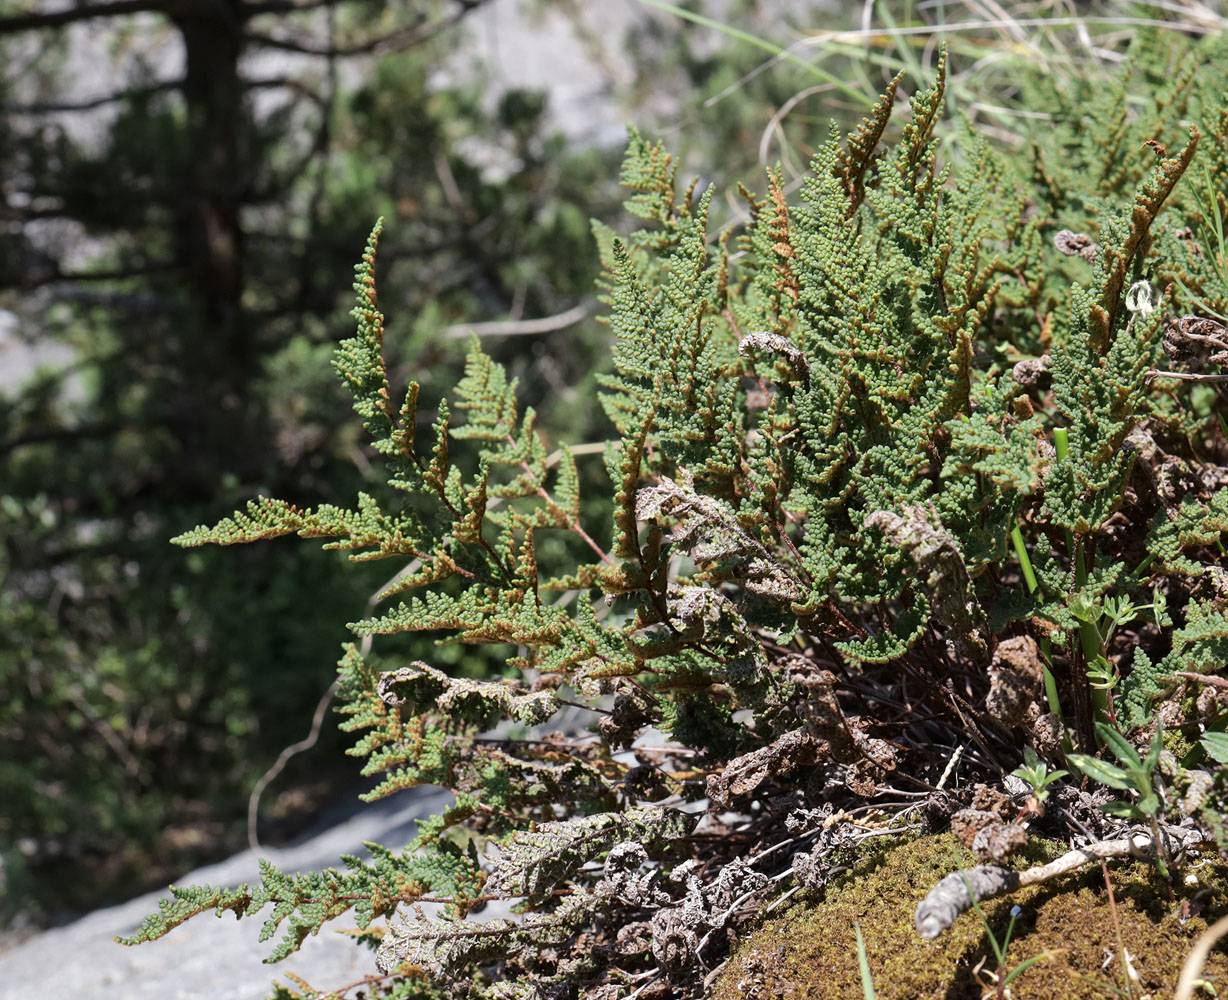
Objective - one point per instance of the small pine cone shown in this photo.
(992, 800)
(967, 823)
(1047, 735)
(1016, 680)
(998, 841)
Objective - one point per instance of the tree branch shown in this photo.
(46, 435)
(394, 41)
(93, 103)
(117, 274)
(957, 892)
(88, 105)
(513, 328)
(284, 6)
(72, 15)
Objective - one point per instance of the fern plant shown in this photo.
(828, 426)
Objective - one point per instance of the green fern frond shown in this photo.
(302, 904)
(862, 143)
(359, 361)
(1121, 244)
(1200, 646)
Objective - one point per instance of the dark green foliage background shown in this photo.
(142, 692)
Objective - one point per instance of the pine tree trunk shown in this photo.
(208, 230)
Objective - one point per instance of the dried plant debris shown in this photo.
(533, 862)
(709, 531)
(420, 685)
(983, 827)
(782, 347)
(998, 841)
(679, 932)
(629, 714)
(1074, 244)
(1047, 735)
(782, 757)
(1196, 340)
(943, 569)
(843, 738)
(1165, 479)
(967, 823)
(626, 878)
(826, 722)
(812, 869)
(992, 799)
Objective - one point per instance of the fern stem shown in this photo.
(1046, 649)
(1061, 444)
(1090, 640)
(1029, 575)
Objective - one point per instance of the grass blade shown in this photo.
(863, 964)
(761, 43)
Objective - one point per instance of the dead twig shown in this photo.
(522, 327)
(1191, 972)
(956, 893)
(1154, 373)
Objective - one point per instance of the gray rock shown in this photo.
(209, 958)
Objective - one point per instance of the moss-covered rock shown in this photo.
(811, 952)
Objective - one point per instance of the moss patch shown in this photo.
(810, 951)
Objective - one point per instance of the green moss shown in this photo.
(1177, 743)
(810, 952)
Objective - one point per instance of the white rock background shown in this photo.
(211, 957)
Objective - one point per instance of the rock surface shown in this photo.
(210, 958)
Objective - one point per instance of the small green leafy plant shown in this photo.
(1100, 619)
(1038, 776)
(828, 424)
(1132, 773)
